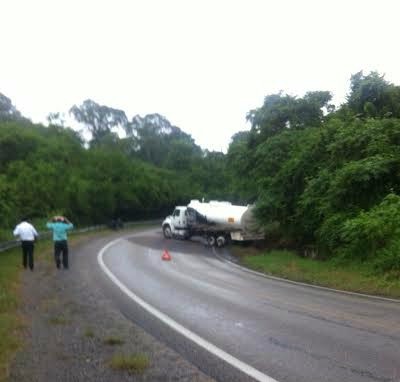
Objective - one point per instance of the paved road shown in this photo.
(288, 332)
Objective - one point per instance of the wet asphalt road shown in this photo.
(288, 332)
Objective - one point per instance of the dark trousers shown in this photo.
(27, 253)
(61, 247)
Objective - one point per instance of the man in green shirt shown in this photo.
(60, 225)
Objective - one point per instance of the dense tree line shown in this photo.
(322, 178)
(49, 170)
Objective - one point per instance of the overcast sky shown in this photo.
(203, 64)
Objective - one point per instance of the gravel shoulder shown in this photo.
(73, 330)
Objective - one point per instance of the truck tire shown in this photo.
(220, 241)
(211, 240)
(167, 231)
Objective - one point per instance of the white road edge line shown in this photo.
(245, 368)
(248, 270)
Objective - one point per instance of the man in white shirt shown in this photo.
(27, 234)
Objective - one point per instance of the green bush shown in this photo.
(388, 259)
(374, 235)
(329, 235)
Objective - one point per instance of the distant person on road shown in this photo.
(27, 234)
(60, 225)
(113, 224)
(120, 224)
(116, 223)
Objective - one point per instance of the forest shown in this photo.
(325, 180)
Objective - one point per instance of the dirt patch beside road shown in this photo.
(74, 333)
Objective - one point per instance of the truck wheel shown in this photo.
(167, 232)
(220, 241)
(211, 240)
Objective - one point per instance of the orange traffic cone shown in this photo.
(166, 256)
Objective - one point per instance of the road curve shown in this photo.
(285, 331)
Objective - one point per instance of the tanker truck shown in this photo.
(218, 222)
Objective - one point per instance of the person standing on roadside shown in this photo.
(27, 234)
(60, 225)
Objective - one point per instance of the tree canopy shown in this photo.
(99, 119)
(280, 112)
(8, 111)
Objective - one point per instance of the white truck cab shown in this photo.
(176, 224)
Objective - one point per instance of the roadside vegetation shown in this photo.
(89, 333)
(10, 321)
(326, 181)
(133, 363)
(59, 321)
(349, 276)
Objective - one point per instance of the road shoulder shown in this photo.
(73, 331)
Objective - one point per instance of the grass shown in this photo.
(10, 322)
(89, 333)
(58, 321)
(134, 363)
(355, 277)
(113, 341)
